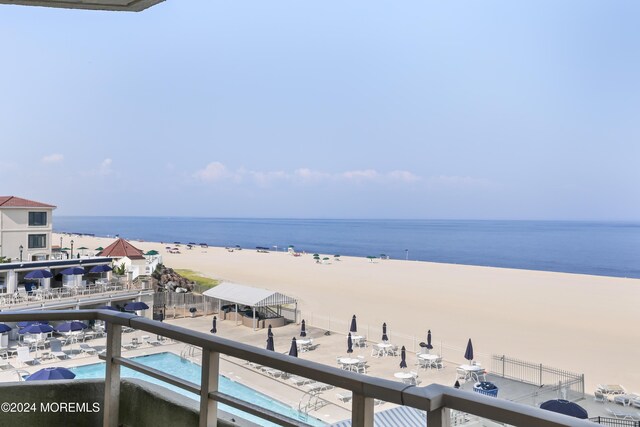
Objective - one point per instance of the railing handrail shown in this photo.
(434, 398)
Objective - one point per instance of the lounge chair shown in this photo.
(297, 380)
(344, 397)
(275, 373)
(24, 357)
(598, 396)
(56, 349)
(86, 348)
(633, 416)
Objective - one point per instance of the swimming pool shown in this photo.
(175, 365)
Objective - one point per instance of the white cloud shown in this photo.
(360, 175)
(105, 167)
(53, 158)
(214, 171)
(404, 176)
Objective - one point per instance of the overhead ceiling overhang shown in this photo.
(116, 5)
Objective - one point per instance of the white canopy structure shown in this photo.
(249, 296)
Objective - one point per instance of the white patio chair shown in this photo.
(56, 349)
(344, 397)
(24, 357)
(376, 350)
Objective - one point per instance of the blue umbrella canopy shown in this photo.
(214, 329)
(102, 268)
(354, 325)
(303, 329)
(4, 328)
(293, 351)
(71, 271)
(135, 306)
(270, 343)
(468, 354)
(71, 326)
(384, 332)
(26, 323)
(403, 357)
(349, 343)
(565, 407)
(107, 307)
(38, 328)
(51, 374)
(38, 274)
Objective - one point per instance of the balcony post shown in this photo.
(112, 378)
(209, 383)
(361, 411)
(439, 418)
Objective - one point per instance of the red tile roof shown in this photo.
(122, 248)
(17, 202)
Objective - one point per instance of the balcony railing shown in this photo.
(436, 400)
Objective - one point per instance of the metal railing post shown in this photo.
(112, 378)
(361, 411)
(209, 383)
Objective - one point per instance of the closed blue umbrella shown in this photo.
(135, 306)
(214, 329)
(468, 354)
(102, 268)
(565, 407)
(354, 325)
(384, 332)
(429, 346)
(51, 374)
(293, 351)
(38, 328)
(38, 274)
(72, 271)
(4, 328)
(303, 331)
(349, 344)
(270, 343)
(269, 333)
(403, 357)
(71, 327)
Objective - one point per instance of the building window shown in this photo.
(37, 218)
(37, 241)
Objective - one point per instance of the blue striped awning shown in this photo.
(400, 416)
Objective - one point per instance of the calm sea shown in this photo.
(600, 248)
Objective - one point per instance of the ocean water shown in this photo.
(599, 248)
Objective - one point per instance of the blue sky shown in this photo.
(358, 109)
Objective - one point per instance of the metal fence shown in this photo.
(615, 422)
(536, 373)
(180, 304)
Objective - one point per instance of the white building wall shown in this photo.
(15, 229)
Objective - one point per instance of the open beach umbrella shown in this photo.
(135, 306)
(26, 323)
(73, 271)
(354, 325)
(38, 274)
(107, 307)
(99, 248)
(270, 343)
(51, 374)
(102, 268)
(468, 354)
(384, 333)
(403, 357)
(71, 326)
(37, 328)
(4, 328)
(293, 351)
(349, 344)
(565, 407)
(303, 329)
(152, 252)
(214, 329)
(269, 333)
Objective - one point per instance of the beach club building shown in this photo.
(25, 229)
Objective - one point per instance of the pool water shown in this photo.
(182, 368)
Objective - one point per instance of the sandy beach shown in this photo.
(580, 323)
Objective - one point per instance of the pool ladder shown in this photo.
(313, 403)
(190, 351)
